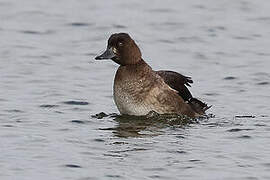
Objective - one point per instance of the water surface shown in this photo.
(51, 87)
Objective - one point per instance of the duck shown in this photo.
(139, 90)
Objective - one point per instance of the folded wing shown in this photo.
(179, 83)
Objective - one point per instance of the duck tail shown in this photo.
(198, 106)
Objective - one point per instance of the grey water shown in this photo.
(51, 88)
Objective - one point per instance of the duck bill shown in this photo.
(108, 54)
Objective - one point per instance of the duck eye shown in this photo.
(120, 44)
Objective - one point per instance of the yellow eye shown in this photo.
(120, 44)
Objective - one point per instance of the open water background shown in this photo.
(50, 86)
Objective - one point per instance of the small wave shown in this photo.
(229, 78)
(245, 137)
(15, 111)
(78, 121)
(211, 94)
(73, 166)
(119, 26)
(79, 24)
(99, 140)
(263, 83)
(76, 103)
(244, 116)
(33, 32)
(8, 125)
(101, 115)
(238, 130)
(48, 106)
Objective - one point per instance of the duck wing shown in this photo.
(179, 83)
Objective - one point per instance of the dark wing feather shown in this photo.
(178, 82)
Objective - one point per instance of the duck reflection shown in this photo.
(152, 124)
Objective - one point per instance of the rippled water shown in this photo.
(51, 89)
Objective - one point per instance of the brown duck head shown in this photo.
(121, 49)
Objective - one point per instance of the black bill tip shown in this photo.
(108, 54)
(98, 58)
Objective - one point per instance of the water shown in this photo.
(51, 87)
